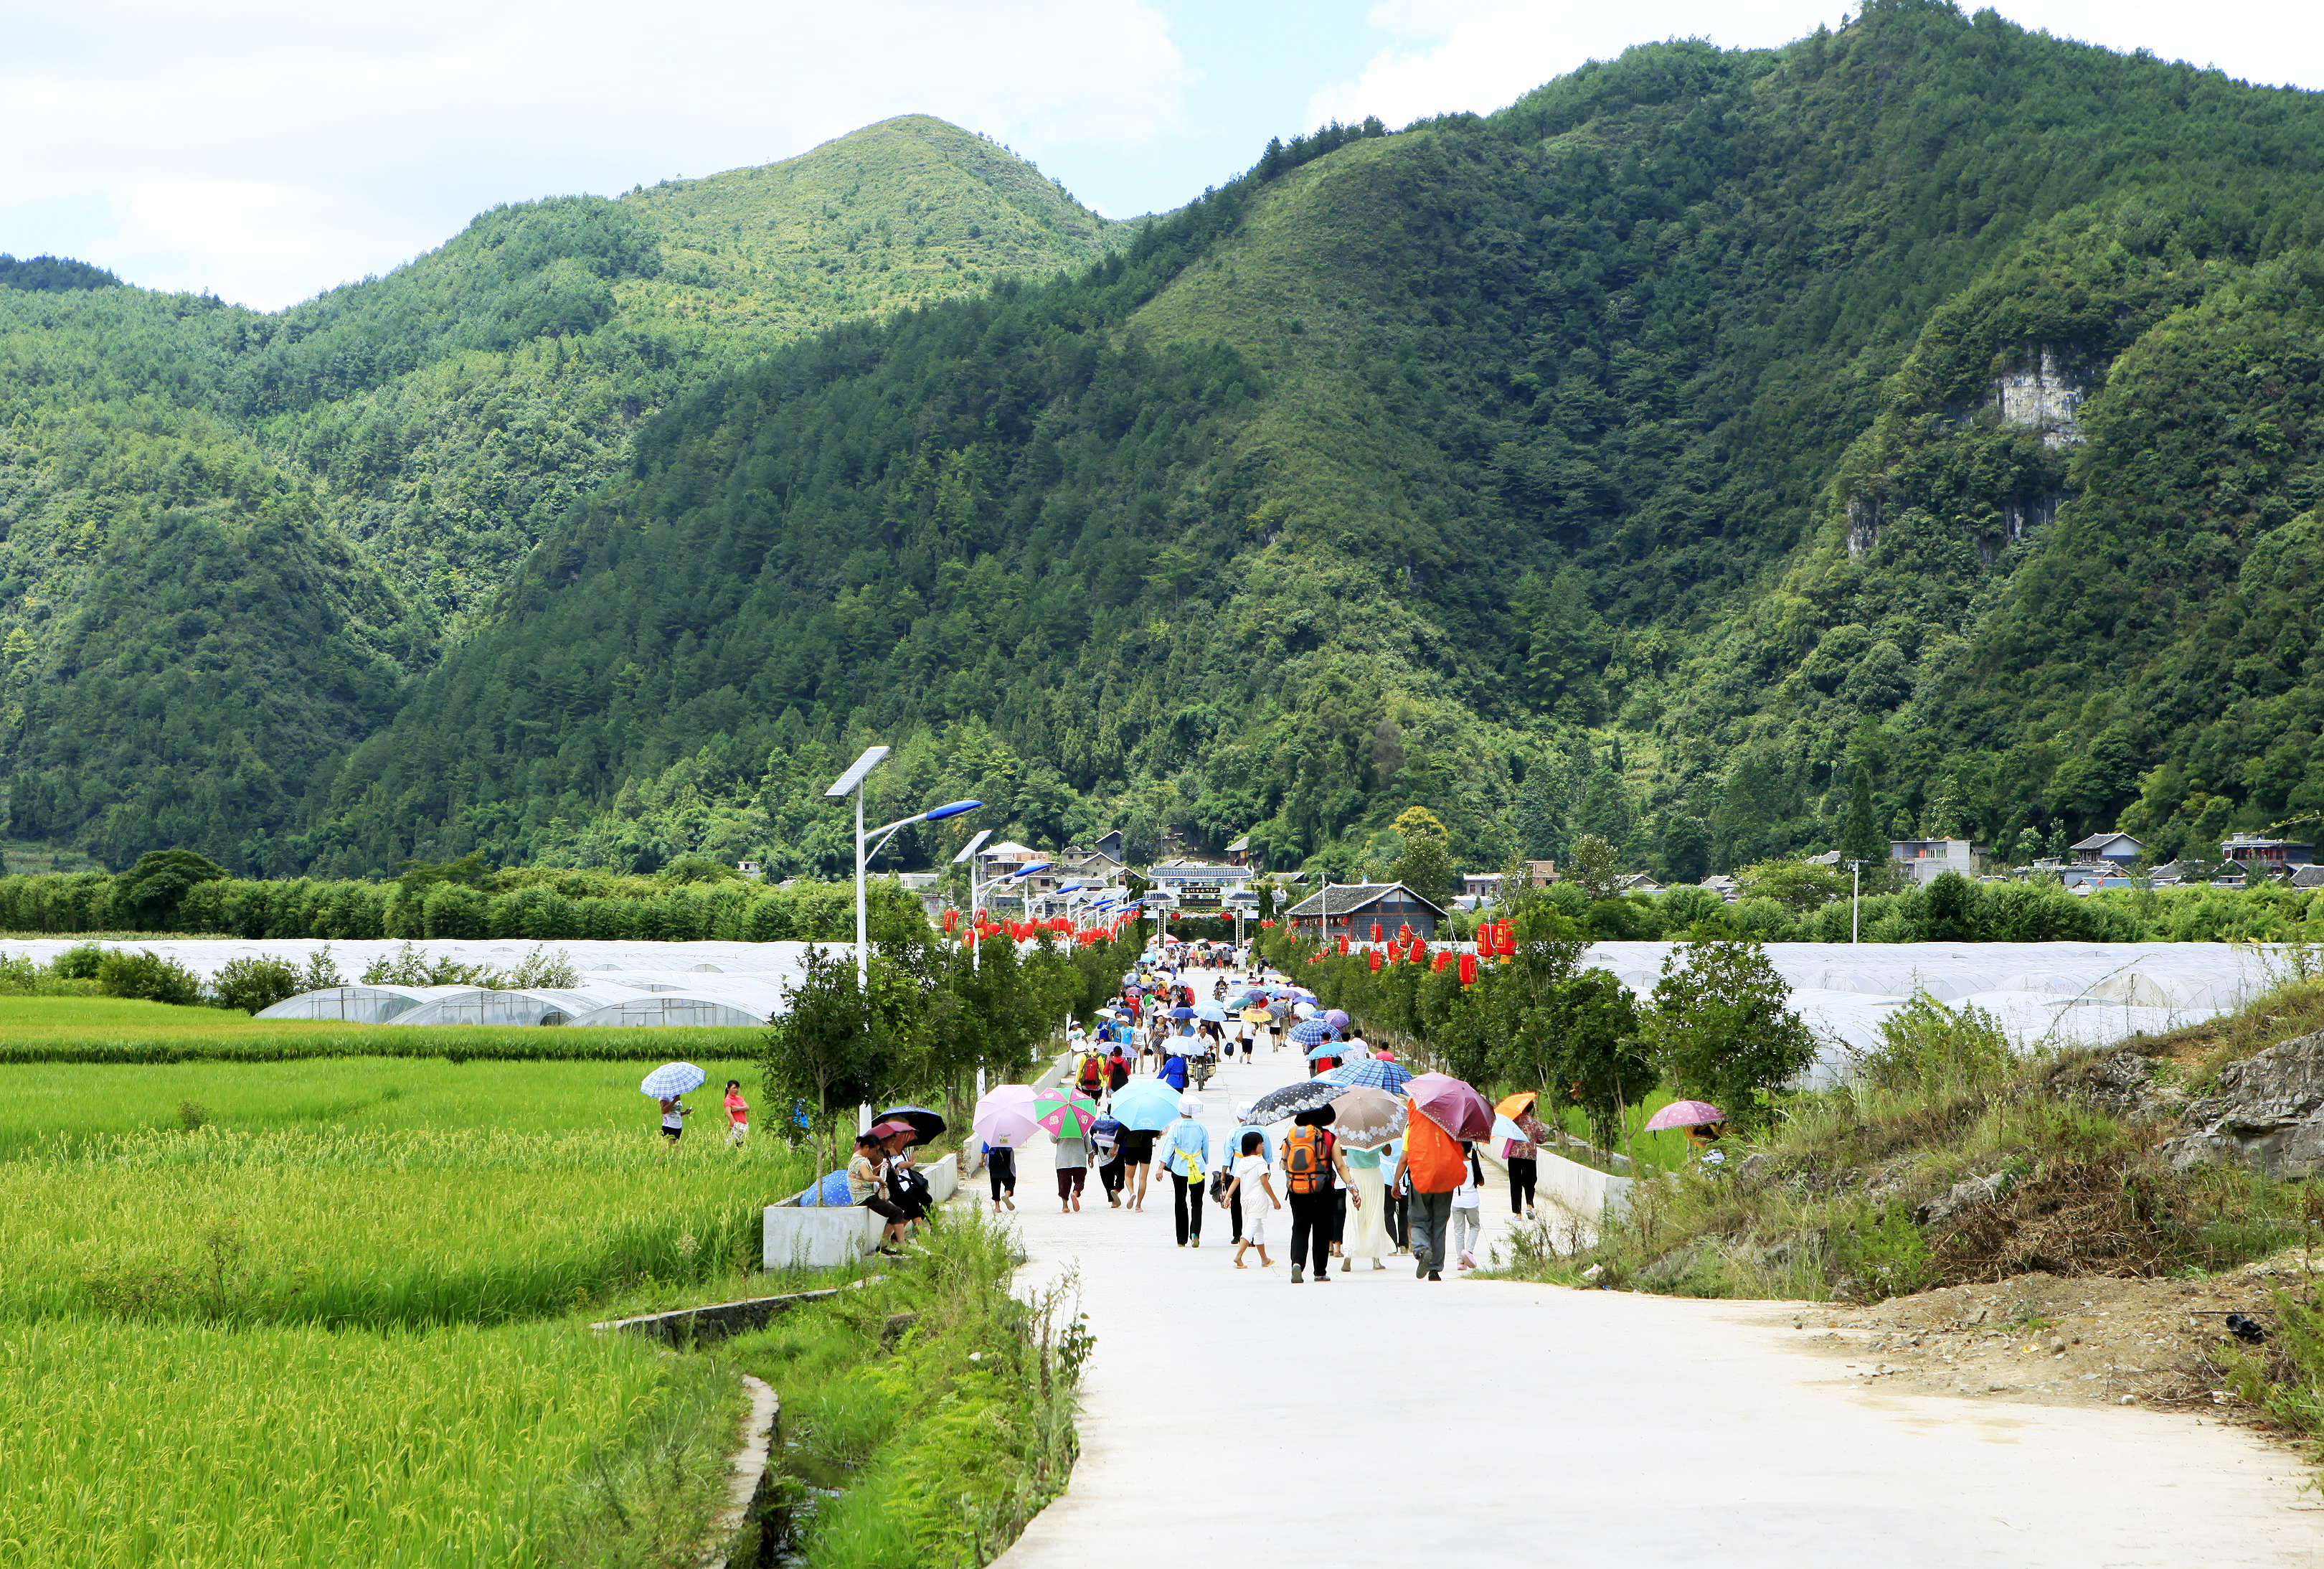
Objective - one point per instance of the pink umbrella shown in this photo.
(1685, 1114)
(1451, 1105)
(1005, 1116)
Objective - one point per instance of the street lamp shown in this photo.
(850, 783)
(1855, 896)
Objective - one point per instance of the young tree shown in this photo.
(838, 1047)
(1593, 865)
(1860, 839)
(1717, 1027)
(1425, 863)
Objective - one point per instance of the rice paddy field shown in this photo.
(335, 1309)
(98, 1030)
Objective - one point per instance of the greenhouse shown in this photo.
(665, 1008)
(359, 1004)
(479, 1005)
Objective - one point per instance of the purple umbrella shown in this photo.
(1451, 1105)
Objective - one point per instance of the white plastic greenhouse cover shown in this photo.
(476, 1005)
(358, 1004)
(667, 1008)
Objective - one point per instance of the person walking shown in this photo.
(1251, 1171)
(1232, 1202)
(1524, 1161)
(1186, 1157)
(738, 1114)
(1117, 1069)
(1105, 1153)
(1090, 1075)
(674, 1114)
(1306, 1159)
(867, 1173)
(1072, 1171)
(1466, 1199)
(1000, 1171)
(1137, 1165)
(1434, 1163)
(1399, 1215)
(1368, 1192)
(1173, 1067)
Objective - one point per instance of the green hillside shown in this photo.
(1930, 396)
(1928, 401)
(228, 541)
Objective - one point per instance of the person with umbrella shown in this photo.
(866, 1174)
(1441, 1114)
(667, 1083)
(1186, 1157)
(1521, 1154)
(907, 1190)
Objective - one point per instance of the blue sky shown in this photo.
(269, 149)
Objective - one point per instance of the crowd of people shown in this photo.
(1418, 1196)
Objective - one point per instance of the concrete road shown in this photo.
(1233, 1418)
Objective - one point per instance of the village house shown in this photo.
(1350, 910)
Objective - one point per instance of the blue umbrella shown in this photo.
(1182, 1013)
(831, 1193)
(1329, 1048)
(1308, 1031)
(1146, 1105)
(1216, 1012)
(1371, 1073)
(672, 1078)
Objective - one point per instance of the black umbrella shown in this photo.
(928, 1125)
(1293, 1099)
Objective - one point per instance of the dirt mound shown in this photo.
(2103, 1217)
(2040, 1338)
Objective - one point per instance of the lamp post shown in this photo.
(850, 783)
(1855, 896)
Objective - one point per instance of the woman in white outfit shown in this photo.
(1370, 1197)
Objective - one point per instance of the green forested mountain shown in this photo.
(232, 539)
(1928, 399)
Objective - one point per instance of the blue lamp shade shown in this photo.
(1028, 870)
(949, 810)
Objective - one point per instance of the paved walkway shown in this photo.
(1233, 1418)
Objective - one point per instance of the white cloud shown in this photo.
(1477, 55)
(269, 150)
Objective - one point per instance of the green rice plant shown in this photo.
(205, 1448)
(109, 1029)
(74, 1101)
(374, 1229)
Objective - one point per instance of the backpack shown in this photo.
(1307, 1156)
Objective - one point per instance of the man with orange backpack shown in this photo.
(1308, 1157)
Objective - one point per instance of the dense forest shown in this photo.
(1927, 403)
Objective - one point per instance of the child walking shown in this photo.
(1250, 1167)
(1465, 1218)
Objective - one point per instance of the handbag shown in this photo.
(1220, 1180)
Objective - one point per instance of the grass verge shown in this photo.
(926, 1418)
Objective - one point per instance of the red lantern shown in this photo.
(1467, 969)
(951, 920)
(1376, 931)
(1376, 958)
(1505, 941)
(1343, 942)
(1419, 951)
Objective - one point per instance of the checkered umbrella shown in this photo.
(1371, 1073)
(1311, 1032)
(672, 1078)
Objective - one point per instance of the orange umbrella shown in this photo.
(1517, 1105)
